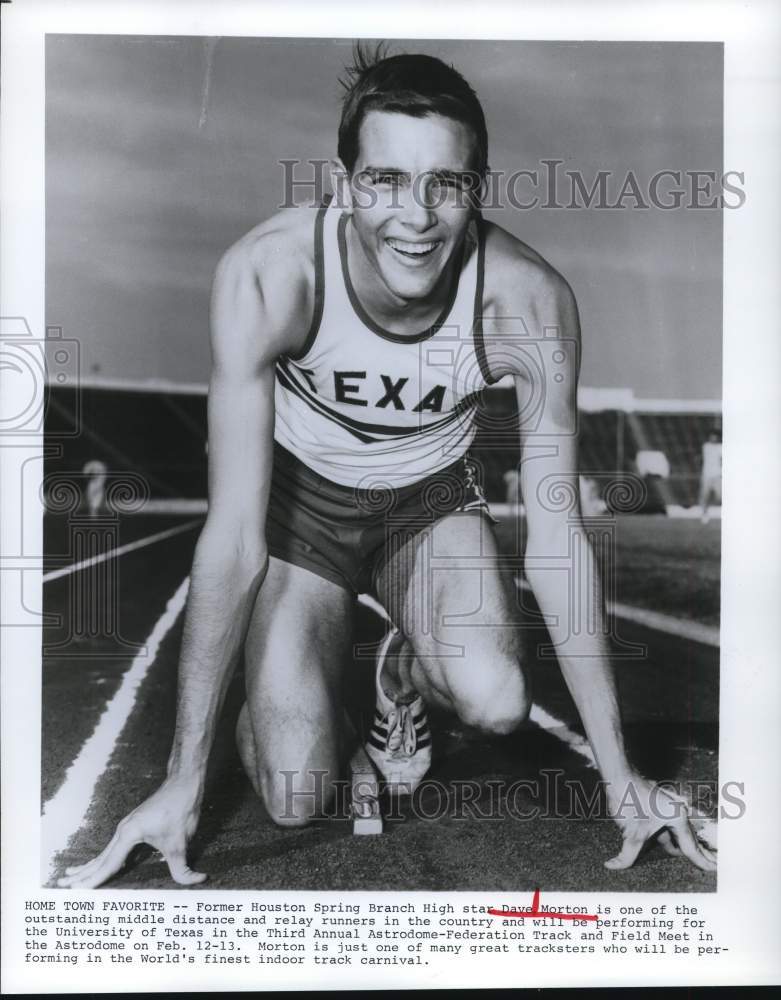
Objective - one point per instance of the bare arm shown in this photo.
(230, 557)
(559, 557)
(561, 568)
(249, 330)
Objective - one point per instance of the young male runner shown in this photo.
(347, 359)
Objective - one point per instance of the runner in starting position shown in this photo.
(349, 352)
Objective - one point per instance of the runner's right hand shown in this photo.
(165, 821)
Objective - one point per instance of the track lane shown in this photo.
(670, 704)
(529, 843)
(82, 671)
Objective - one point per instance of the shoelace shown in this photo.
(402, 739)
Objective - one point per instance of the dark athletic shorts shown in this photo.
(341, 533)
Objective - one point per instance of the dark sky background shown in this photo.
(163, 151)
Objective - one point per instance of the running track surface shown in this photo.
(108, 714)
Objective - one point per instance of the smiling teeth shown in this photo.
(412, 248)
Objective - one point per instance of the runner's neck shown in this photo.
(404, 317)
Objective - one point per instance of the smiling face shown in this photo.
(410, 203)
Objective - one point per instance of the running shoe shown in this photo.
(399, 743)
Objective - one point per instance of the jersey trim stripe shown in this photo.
(366, 319)
(287, 383)
(359, 428)
(479, 340)
(317, 314)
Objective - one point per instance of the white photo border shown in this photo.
(745, 910)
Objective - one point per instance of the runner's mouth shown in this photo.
(413, 251)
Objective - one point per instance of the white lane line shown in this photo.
(706, 828)
(64, 814)
(708, 635)
(140, 543)
(562, 731)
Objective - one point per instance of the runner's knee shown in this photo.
(294, 798)
(496, 707)
(293, 793)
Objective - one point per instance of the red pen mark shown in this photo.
(535, 911)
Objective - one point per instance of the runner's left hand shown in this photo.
(644, 810)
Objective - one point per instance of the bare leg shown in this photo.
(446, 593)
(290, 731)
(703, 498)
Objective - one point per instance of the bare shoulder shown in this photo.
(519, 282)
(285, 240)
(263, 293)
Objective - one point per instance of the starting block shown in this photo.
(367, 818)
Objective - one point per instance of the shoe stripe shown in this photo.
(382, 731)
(382, 720)
(381, 736)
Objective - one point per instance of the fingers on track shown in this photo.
(678, 841)
(109, 861)
(696, 852)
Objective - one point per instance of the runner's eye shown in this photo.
(387, 180)
(455, 182)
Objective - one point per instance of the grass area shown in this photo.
(671, 565)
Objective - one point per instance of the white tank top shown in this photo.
(368, 408)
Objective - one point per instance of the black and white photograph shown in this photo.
(369, 396)
(396, 439)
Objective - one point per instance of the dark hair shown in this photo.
(415, 85)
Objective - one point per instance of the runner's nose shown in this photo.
(417, 213)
